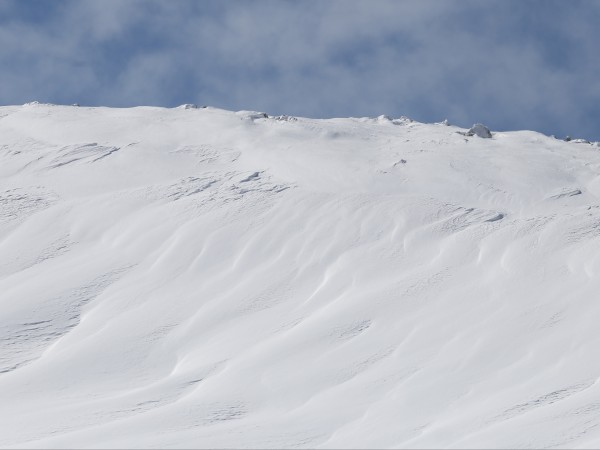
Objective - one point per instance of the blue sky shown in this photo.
(510, 64)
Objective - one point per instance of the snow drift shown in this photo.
(193, 277)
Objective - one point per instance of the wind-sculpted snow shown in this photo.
(193, 277)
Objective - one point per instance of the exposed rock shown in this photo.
(480, 130)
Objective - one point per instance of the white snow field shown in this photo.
(194, 277)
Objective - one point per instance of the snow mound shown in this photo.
(227, 280)
(402, 120)
(383, 119)
(36, 103)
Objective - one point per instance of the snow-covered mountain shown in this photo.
(194, 277)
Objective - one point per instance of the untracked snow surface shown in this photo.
(195, 277)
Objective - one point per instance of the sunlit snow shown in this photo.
(194, 277)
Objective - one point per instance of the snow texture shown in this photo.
(193, 277)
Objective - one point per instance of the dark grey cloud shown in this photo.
(508, 63)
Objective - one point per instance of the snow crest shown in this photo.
(227, 280)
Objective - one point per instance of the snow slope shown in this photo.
(202, 278)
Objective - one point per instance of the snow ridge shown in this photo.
(194, 277)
